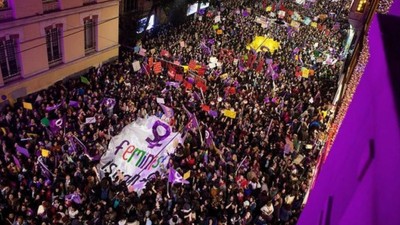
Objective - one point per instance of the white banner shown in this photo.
(139, 151)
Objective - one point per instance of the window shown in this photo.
(8, 57)
(90, 34)
(53, 42)
(50, 5)
(3, 4)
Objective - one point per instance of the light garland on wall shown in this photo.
(384, 6)
(350, 90)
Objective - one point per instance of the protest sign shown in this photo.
(90, 120)
(136, 66)
(139, 151)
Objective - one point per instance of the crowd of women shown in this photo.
(259, 167)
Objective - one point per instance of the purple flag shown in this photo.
(211, 41)
(57, 124)
(51, 108)
(213, 113)
(74, 197)
(23, 151)
(169, 112)
(16, 161)
(193, 123)
(209, 137)
(175, 177)
(173, 84)
(196, 96)
(109, 102)
(73, 103)
(190, 80)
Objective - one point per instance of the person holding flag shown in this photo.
(174, 177)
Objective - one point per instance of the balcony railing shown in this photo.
(50, 6)
(6, 14)
(88, 2)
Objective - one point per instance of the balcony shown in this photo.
(6, 14)
(50, 6)
(89, 2)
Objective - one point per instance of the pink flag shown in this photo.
(16, 161)
(142, 52)
(175, 177)
(169, 112)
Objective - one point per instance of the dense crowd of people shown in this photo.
(259, 168)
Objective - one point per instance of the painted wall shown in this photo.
(24, 8)
(73, 39)
(31, 46)
(35, 73)
(68, 4)
(47, 78)
(108, 29)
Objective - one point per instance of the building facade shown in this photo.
(44, 41)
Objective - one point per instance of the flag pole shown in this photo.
(269, 127)
(202, 94)
(240, 165)
(201, 135)
(168, 184)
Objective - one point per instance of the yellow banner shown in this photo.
(230, 113)
(45, 153)
(261, 43)
(186, 175)
(27, 105)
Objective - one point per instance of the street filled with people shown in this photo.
(261, 107)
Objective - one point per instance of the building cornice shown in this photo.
(53, 15)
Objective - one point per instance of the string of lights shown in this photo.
(350, 90)
(384, 6)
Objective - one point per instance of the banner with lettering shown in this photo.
(139, 151)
